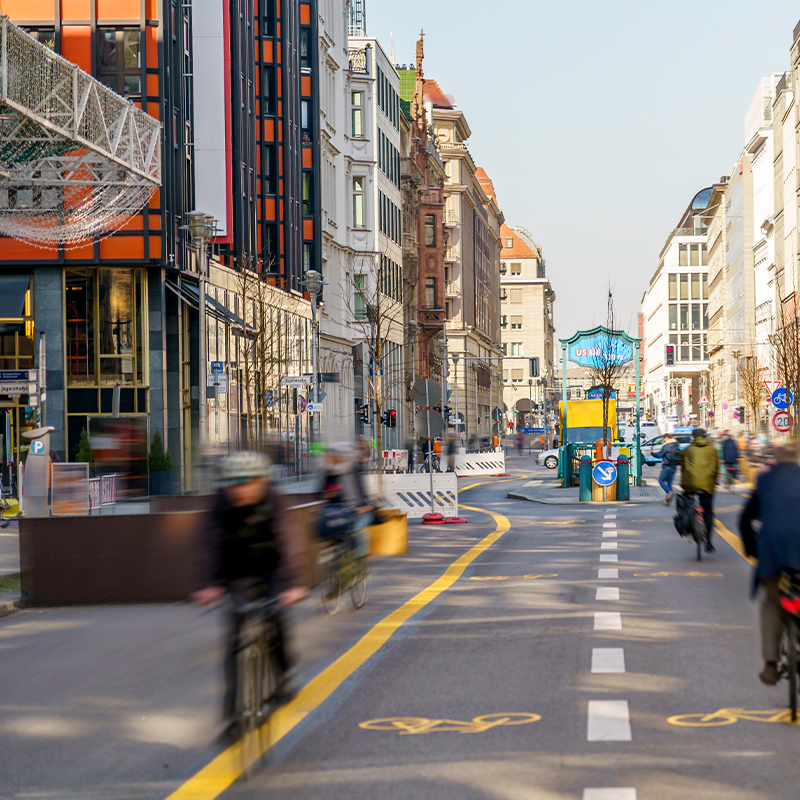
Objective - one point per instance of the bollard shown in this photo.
(623, 471)
(585, 476)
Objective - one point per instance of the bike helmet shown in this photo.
(244, 467)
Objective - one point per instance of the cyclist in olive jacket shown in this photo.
(699, 471)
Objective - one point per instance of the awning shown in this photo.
(12, 295)
(191, 295)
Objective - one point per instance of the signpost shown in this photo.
(782, 421)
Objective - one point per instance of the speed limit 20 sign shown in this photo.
(782, 421)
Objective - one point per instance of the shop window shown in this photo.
(119, 60)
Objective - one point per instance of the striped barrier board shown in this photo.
(469, 464)
(412, 493)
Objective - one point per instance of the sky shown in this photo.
(596, 121)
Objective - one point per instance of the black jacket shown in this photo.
(730, 452)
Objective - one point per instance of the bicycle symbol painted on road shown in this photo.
(416, 725)
(729, 716)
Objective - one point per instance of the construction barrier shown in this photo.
(412, 493)
(395, 460)
(469, 464)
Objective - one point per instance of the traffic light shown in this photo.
(738, 413)
(669, 355)
(534, 367)
(389, 418)
(363, 414)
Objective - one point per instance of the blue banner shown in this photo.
(594, 351)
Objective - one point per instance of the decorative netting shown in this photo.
(77, 161)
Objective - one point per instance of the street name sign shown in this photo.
(295, 381)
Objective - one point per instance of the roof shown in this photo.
(485, 182)
(434, 95)
(519, 250)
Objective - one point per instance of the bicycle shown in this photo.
(730, 476)
(427, 463)
(257, 680)
(789, 648)
(698, 526)
(338, 570)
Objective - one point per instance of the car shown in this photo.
(651, 449)
(548, 458)
(647, 430)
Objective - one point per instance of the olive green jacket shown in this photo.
(700, 466)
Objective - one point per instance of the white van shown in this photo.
(647, 430)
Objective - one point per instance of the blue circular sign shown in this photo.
(604, 473)
(782, 398)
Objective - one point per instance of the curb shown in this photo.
(7, 608)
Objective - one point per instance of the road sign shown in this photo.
(782, 421)
(771, 386)
(37, 447)
(781, 398)
(269, 399)
(295, 381)
(434, 394)
(604, 473)
(710, 413)
(704, 401)
(679, 402)
(17, 389)
(315, 408)
(217, 367)
(497, 414)
(422, 419)
(301, 404)
(24, 375)
(725, 406)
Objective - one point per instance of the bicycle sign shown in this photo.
(782, 398)
(782, 421)
(729, 716)
(604, 473)
(415, 725)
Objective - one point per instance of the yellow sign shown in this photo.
(729, 716)
(512, 577)
(415, 725)
(678, 574)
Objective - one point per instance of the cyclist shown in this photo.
(730, 454)
(251, 554)
(776, 545)
(670, 459)
(700, 467)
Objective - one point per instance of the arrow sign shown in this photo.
(604, 473)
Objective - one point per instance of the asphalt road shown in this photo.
(522, 671)
(9, 550)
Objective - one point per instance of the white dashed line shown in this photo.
(608, 659)
(608, 545)
(609, 721)
(607, 573)
(609, 534)
(608, 557)
(607, 621)
(610, 516)
(607, 593)
(609, 524)
(609, 794)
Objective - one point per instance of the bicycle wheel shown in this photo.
(699, 534)
(791, 627)
(358, 589)
(250, 702)
(329, 578)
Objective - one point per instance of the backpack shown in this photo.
(684, 514)
(674, 457)
(334, 521)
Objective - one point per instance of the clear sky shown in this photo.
(597, 121)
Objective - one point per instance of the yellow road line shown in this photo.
(734, 541)
(217, 776)
(486, 483)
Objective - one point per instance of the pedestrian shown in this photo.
(776, 545)
(520, 442)
(670, 459)
(251, 554)
(699, 472)
(452, 444)
(730, 456)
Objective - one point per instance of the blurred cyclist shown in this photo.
(251, 554)
(730, 454)
(776, 545)
(699, 473)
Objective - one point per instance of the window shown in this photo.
(430, 230)
(305, 48)
(695, 286)
(268, 16)
(697, 347)
(357, 105)
(270, 170)
(119, 60)
(45, 36)
(516, 323)
(695, 317)
(672, 281)
(683, 255)
(516, 375)
(516, 295)
(268, 90)
(704, 255)
(503, 321)
(516, 269)
(509, 242)
(503, 293)
(359, 302)
(684, 347)
(684, 283)
(673, 317)
(694, 255)
(305, 122)
(504, 347)
(684, 317)
(358, 203)
(308, 204)
(516, 349)
(705, 316)
(704, 283)
(430, 292)
(308, 256)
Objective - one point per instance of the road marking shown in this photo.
(678, 574)
(608, 545)
(608, 659)
(729, 716)
(416, 725)
(487, 483)
(610, 516)
(607, 593)
(607, 573)
(607, 621)
(608, 557)
(513, 577)
(609, 534)
(609, 524)
(214, 778)
(734, 541)
(614, 793)
(609, 721)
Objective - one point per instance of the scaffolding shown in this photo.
(77, 161)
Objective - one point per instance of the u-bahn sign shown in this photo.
(599, 346)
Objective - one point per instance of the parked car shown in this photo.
(548, 458)
(651, 449)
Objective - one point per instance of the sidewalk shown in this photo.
(9, 566)
(550, 493)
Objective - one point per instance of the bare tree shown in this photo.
(786, 348)
(607, 365)
(751, 381)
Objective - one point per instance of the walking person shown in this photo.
(730, 456)
(670, 459)
(699, 472)
(776, 545)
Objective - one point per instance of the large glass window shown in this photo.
(358, 202)
(430, 230)
(308, 205)
(430, 292)
(359, 300)
(695, 317)
(672, 281)
(697, 347)
(684, 317)
(705, 316)
(305, 47)
(119, 60)
(694, 255)
(695, 286)
(683, 255)
(684, 286)
(305, 119)
(704, 283)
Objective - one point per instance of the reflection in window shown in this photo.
(305, 47)
(79, 307)
(119, 60)
(683, 255)
(684, 317)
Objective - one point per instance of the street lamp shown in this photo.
(313, 285)
(201, 229)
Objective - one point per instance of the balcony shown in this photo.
(451, 254)
(452, 288)
(450, 219)
(358, 61)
